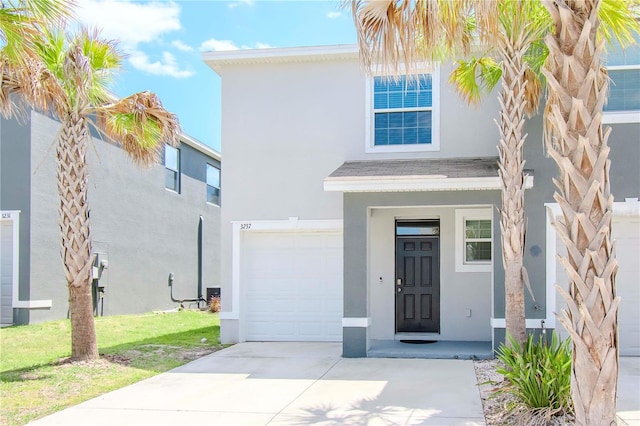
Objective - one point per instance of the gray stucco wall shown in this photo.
(15, 179)
(144, 230)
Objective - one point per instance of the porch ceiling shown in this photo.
(449, 174)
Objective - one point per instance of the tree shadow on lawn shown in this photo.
(157, 354)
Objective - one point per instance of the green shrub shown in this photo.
(538, 374)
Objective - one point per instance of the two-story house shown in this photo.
(364, 210)
(147, 224)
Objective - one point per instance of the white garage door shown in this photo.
(626, 231)
(292, 285)
(6, 271)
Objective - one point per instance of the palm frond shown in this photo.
(141, 125)
(620, 22)
(475, 77)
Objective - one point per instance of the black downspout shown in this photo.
(200, 226)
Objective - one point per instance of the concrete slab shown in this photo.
(308, 383)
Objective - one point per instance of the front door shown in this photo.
(417, 284)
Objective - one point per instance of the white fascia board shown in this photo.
(217, 60)
(186, 139)
(414, 183)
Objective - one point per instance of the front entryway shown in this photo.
(417, 284)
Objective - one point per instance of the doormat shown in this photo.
(418, 342)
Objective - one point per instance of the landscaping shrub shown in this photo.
(538, 374)
(214, 304)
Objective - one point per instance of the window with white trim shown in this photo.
(474, 240)
(172, 165)
(404, 114)
(623, 67)
(213, 185)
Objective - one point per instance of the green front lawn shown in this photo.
(36, 378)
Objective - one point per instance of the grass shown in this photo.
(36, 378)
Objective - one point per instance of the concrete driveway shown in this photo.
(291, 384)
(308, 383)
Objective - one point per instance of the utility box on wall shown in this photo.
(212, 292)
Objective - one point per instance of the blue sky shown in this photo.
(164, 41)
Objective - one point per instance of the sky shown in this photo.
(163, 42)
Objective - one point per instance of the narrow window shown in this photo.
(172, 164)
(213, 185)
(477, 240)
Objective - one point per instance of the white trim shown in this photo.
(369, 138)
(241, 226)
(461, 215)
(218, 60)
(620, 117)
(529, 323)
(14, 216)
(193, 143)
(414, 183)
(356, 322)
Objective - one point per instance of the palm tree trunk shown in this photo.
(76, 239)
(578, 89)
(511, 170)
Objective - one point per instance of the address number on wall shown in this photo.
(245, 226)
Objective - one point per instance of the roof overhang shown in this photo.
(436, 174)
(219, 59)
(415, 183)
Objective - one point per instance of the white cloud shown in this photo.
(178, 44)
(334, 15)
(235, 4)
(131, 23)
(217, 45)
(166, 66)
(214, 45)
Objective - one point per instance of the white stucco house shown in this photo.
(364, 210)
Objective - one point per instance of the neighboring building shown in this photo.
(145, 225)
(365, 210)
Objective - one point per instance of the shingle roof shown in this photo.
(446, 167)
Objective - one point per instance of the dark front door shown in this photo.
(417, 284)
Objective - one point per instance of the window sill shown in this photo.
(483, 267)
(403, 148)
(620, 117)
(213, 204)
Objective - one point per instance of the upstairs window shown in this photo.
(172, 164)
(623, 67)
(404, 113)
(213, 185)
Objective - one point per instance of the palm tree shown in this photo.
(72, 85)
(387, 32)
(578, 87)
(21, 25)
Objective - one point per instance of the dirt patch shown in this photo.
(503, 409)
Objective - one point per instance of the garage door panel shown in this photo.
(293, 286)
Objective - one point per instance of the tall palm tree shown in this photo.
(578, 87)
(72, 85)
(387, 34)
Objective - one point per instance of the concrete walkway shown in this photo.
(291, 384)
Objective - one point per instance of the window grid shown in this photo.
(213, 185)
(172, 165)
(403, 110)
(624, 71)
(477, 240)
